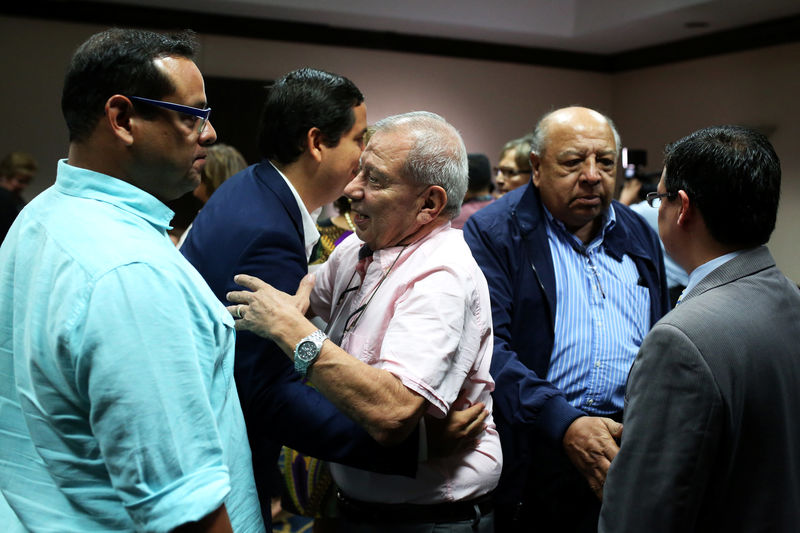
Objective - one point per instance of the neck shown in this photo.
(423, 231)
(300, 174)
(98, 158)
(588, 232)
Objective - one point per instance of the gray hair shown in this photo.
(438, 156)
(539, 140)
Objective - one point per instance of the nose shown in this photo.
(354, 189)
(208, 136)
(591, 174)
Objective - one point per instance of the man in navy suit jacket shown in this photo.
(261, 222)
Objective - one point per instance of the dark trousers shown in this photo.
(557, 497)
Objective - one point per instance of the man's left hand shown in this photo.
(591, 444)
(457, 432)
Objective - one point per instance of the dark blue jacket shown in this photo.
(252, 225)
(509, 241)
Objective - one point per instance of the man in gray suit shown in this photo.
(712, 415)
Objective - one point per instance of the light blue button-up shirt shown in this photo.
(118, 409)
(602, 316)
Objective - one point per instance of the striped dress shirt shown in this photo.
(602, 316)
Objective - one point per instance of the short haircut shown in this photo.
(17, 162)
(480, 172)
(733, 175)
(118, 61)
(437, 157)
(222, 162)
(521, 151)
(304, 99)
(539, 137)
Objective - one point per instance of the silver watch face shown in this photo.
(307, 351)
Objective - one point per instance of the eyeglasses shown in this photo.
(509, 172)
(654, 198)
(202, 114)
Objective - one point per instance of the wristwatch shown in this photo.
(307, 351)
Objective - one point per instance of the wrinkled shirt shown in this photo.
(427, 320)
(118, 408)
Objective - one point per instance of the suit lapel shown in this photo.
(271, 178)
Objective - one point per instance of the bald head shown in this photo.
(574, 158)
(575, 118)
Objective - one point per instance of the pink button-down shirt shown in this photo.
(427, 320)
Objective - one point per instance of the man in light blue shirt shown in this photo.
(118, 409)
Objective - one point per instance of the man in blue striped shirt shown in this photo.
(576, 283)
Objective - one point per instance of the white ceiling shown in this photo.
(589, 26)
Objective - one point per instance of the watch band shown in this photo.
(307, 351)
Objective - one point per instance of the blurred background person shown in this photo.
(333, 230)
(17, 169)
(514, 169)
(222, 162)
(634, 194)
(479, 190)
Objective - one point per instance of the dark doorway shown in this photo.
(236, 108)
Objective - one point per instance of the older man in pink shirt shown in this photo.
(409, 318)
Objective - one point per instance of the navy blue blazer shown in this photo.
(509, 241)
(252, 225)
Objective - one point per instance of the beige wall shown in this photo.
(759, 88)
(489, 102)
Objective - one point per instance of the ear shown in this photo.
(315, 144)
(535, 164)
(687, 213)
(120, 117)
(434, 201)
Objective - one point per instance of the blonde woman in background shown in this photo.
(222, 162)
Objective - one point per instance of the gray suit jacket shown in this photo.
(711, 438)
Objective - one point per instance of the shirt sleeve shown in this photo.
(148, 380)
(428, 346)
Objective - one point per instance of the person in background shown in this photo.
(576, 281)
(17, 169)
(333, 230)
(479, 191)
(634, 194)
(514, 169)
(712, 415)
(222, 162)
(118, 408)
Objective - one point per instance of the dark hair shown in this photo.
(733, 176)
(480, 172)
(301, 100)
(118, 61)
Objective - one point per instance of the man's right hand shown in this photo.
(591, 444)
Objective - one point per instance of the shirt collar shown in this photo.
(699, 273)
(310, 232)
(386, 256)
(609, 221)
(84, 183)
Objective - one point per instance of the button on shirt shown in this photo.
(118, 409)
(429, 324)
(602, 316)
